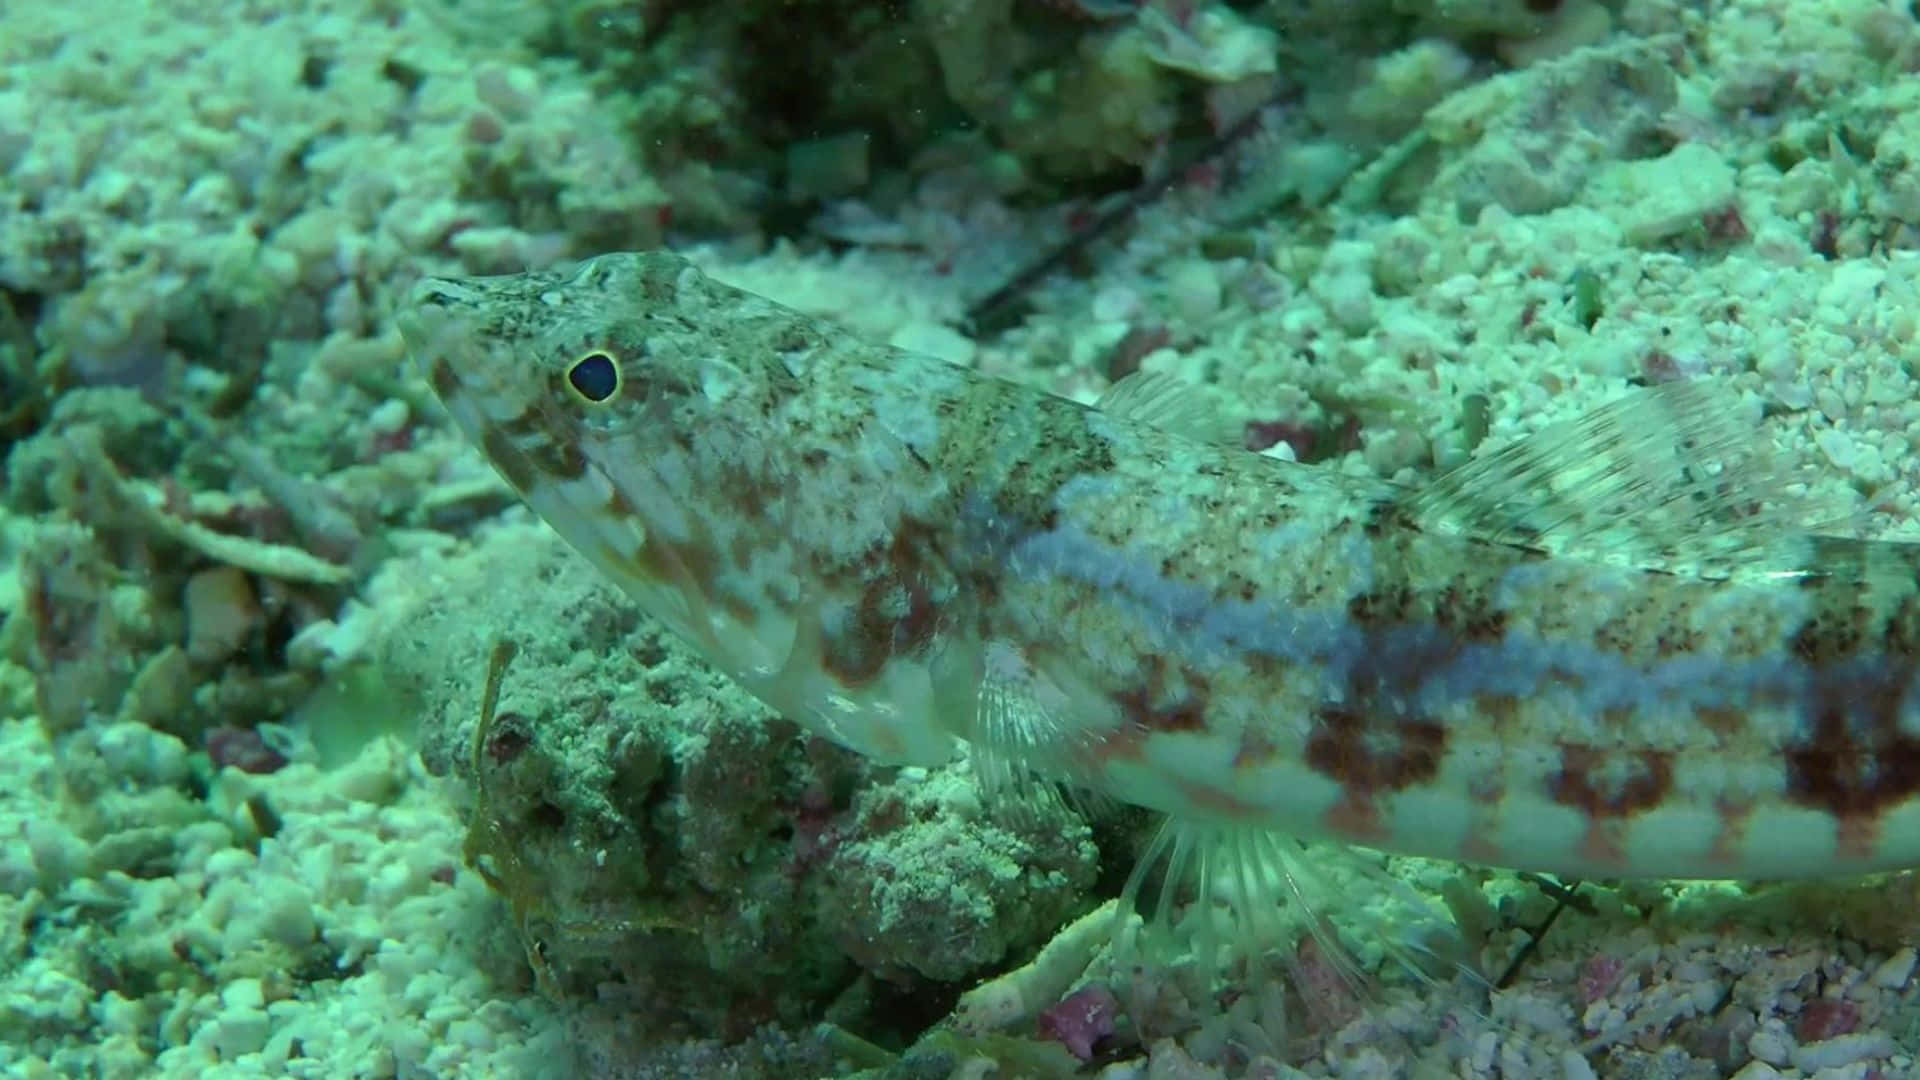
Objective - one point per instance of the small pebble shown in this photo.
(1896, 970)
(1842, 1050)
(1193, 291)
(243, 994)
(221, 613)
(1823, 1018)
(934, 340)
(514, 91)
(1770, 1044)
(1573, 1066)
(242, 748)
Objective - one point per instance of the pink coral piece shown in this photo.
(244, 749)
(1081, 1019)
(1599, 975)
(1824, 1018)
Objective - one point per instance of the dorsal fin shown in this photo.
(1169, 403)
(1672, 477)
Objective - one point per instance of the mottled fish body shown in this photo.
(1593, 653)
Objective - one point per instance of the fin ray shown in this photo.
(1170, 403)
(1668, 478)
(1226, 895)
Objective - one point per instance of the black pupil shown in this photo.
(594, 376)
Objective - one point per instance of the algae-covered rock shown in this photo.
(650, 823)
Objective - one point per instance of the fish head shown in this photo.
(637, 406)
(595, 396)
(554, 373)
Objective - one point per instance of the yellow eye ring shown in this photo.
(594, 377)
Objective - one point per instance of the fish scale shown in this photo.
(1607, 650)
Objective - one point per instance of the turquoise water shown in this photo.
(252, 580)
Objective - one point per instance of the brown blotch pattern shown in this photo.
(1611, 785)
(1161, 703)
(1723, 722)
(1833, 635)
(856, 650)
(1470, 612)
(1729, 841)
(526, 438)
(558, 458)
(1371, 742)
(445, 383)
(1501, 710)
(899, 609)
(619, 506)
(1369, 757)
(1850, 772)
(1853, 759)
(1619, 718)
(691, 564)
(1389, 606)
(507, 458)
(1900, 635)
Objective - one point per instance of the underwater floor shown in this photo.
(281, 805)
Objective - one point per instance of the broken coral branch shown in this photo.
(144, 504)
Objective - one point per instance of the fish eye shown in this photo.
(594, 376)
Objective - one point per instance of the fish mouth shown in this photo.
(439, 324)
(430, 304)
(444, 326)
(445, 333)
(431, 324)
